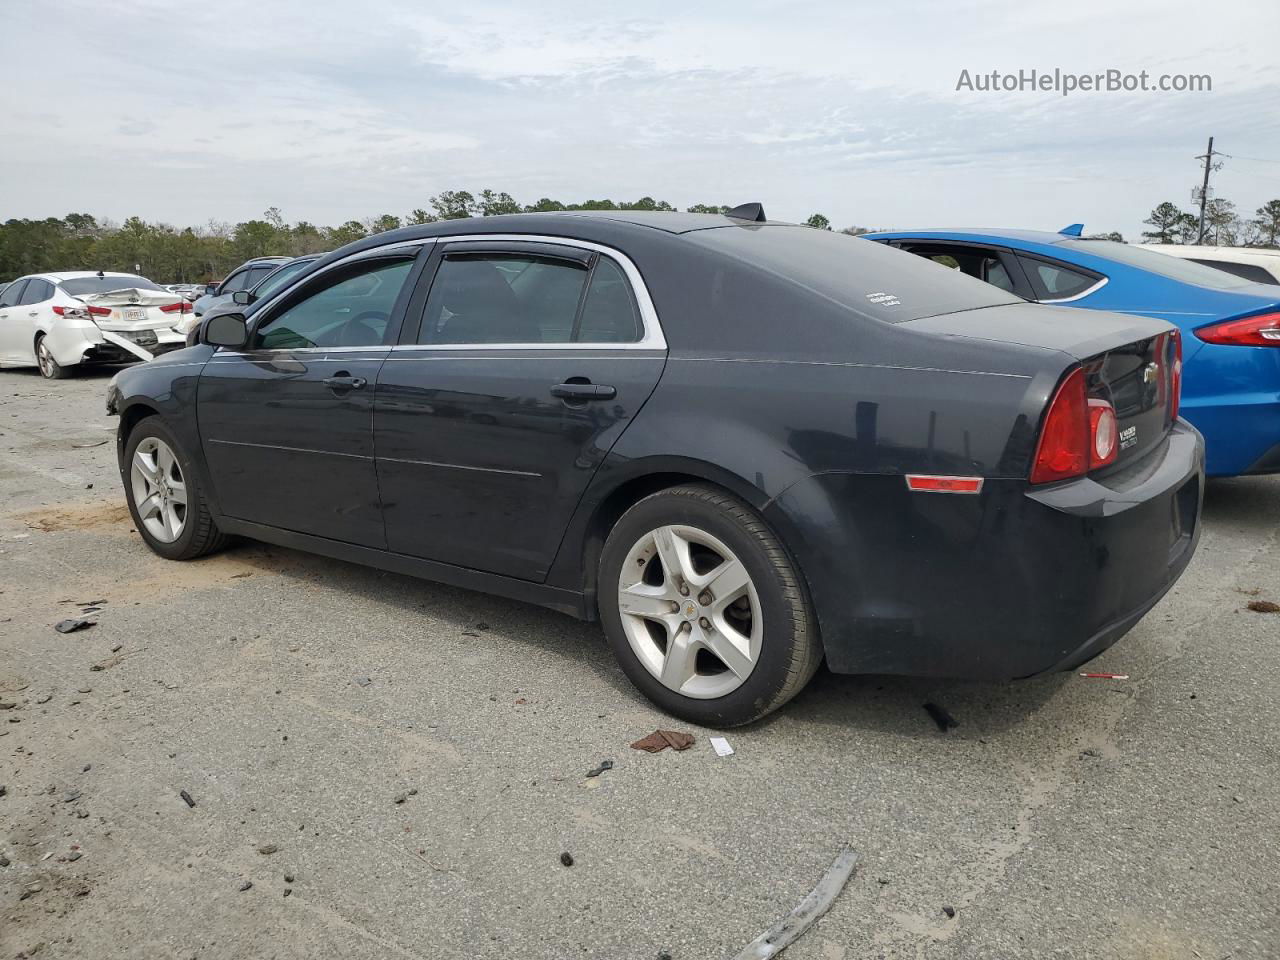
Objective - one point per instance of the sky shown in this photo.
(185, 113)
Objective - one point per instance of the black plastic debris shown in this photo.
(950, 912)
(567, 859)
(604, 765)
(186, 798)
(72, 625)
(944, 720)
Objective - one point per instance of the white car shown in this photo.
(56, 321)
(1249, 263)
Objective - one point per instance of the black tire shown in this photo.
(790, 649)
(49, 368)
(200, 535)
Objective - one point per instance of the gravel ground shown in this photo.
(424, 813)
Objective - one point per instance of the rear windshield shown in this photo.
(1175, 268)
(871, 278)
(87, 286)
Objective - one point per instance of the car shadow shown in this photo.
(1253, 501)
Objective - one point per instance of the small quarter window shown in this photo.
(1056, 281)
(609, 314)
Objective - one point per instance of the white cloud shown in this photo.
(333, 112)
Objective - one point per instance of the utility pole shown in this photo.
(1204, 188)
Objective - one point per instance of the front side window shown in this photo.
(1056, 281)
(276, 281)
(519, 298)
(12, 292)
(353, 310)
(234, 283)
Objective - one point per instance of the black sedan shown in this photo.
(745, 447)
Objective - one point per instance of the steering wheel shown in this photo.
(364, 329)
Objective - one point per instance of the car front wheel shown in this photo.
(164, 495)
(704, 609)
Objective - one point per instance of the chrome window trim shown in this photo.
(652, 337)
(1082, 294)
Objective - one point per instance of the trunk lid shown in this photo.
(135, 309)
(1131, 362)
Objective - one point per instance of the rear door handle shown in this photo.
(344, 382)
(583, 391)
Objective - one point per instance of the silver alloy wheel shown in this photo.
(690, 611)
(45, 359)
(159, 490)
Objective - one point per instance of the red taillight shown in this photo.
(1063, 450)
(82, 311)
(1260, 331)
(182, 306)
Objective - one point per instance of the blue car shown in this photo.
(1230, 326)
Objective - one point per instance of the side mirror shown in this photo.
(226, 330)
(242, 298)
(210, 289)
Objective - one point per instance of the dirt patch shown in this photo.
(83, 516)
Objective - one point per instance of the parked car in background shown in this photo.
(249, 274)
(56, 321)
(1248, 263)
(742, 446)
(1230, 326)
(274, 281)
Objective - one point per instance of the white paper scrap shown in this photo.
(721, 746)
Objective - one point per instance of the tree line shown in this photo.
(166, 253)
(1223, 226)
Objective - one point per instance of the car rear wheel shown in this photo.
(164, 495)
(704, 609)
(50, 369)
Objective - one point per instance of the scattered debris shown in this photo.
(950, 912)
(944, 720)
(186, 798)
(87, 768)
(30, 890)
(1105, 676)
(567, 859)
(117, 647)
(287, 891)
(661, 739)
(73, 856)
(72, 625)
(604, 765)
(112, 661)
(363, 681)
(84, 446)
(44, 698)
(247, 885)
(8, 704)
(1263, 606)
(71, 796)
(401, 797)
(721, 746)
(1090, 753)
(785, 932)
(288, 878)
(268, 848)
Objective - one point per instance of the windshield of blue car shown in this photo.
(1175, 268)
(87, 286)
(275, 281)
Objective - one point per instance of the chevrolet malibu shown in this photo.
(745, 447)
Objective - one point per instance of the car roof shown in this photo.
(75, 275)
(973, 233)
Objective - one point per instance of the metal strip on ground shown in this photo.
(785, 932)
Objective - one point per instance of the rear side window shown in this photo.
(38, 291)
(1245, 271)
(1056, 281)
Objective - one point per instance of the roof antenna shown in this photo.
(748, 211)
(1072, 231)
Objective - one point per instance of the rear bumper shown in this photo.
(1009, 583)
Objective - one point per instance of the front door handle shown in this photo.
(344, 382)
(583, 390)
